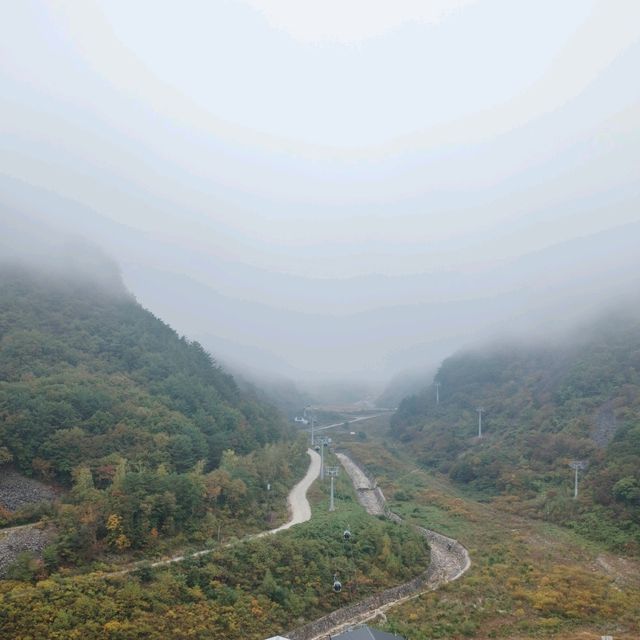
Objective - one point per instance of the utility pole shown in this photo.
(323, 442)
(332, 472)
(480, 410)
(308, 415)
(577, 465)
(268, 502)
(437, 393)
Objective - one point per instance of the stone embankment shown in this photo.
(449, 560)
(17, 491)
(369, 493)
(14, 541)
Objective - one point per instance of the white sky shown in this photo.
(228, 143)
(330, 138)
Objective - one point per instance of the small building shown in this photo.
(365, 633)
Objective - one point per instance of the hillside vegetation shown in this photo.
(544, 406)
(528, 578)
(246, 589)
(150, 435)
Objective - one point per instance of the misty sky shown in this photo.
(283, 141)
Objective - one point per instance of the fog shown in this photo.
(331, 191)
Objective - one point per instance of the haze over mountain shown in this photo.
(386, 324)
(543, 406)
(338, 194)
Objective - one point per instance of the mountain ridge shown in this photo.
(544, 405)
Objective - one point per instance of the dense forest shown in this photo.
(544, 407)
(145, 436)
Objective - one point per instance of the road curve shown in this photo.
(449, 560)
(340, 424)
(299, 511)
(299, 507)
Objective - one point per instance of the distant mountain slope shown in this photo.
(369, 327)
(544, 406)
(87, 374)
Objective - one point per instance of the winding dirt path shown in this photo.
(449, 561)
(299, 507)
(299, 512)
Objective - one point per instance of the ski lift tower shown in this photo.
(323, 442)
(480, 410)
(577, 465)
(332, 472)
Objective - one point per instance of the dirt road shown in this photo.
(299, 507)
(299, 511)
(341, 424)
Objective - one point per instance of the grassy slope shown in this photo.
(529, 579)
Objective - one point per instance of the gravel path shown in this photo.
(447, 565)
(369, 495)
(357, 475)
(299, 507)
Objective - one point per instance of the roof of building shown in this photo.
(365, 633)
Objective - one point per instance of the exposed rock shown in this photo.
(16, 540)
(17, 491)
(605, 425)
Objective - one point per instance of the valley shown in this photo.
(148, 495)
(320, 320)
(528, 578)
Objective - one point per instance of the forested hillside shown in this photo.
(152, 437)
(544, 406)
